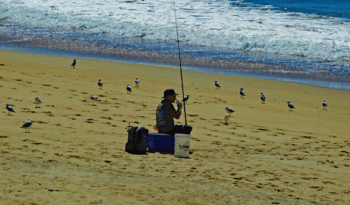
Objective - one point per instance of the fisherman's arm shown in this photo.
(174, 113)
(179, 108)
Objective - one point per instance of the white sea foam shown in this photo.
(219, 23)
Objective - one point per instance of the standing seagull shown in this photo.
(137, 81)
(27, 124)
(37, 102)
(324, 104)
(100, 83)
(226, 118)
(242, 93)
(128, 88)
(262, 97)
(290, 105)
(229, 111)
(185, 98)
(74, 63)
(9, 109)
(93, 97)
(217, 84)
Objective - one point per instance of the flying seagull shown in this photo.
(74, 63)
(217, 84)
(100, 83)
(93, 97)
(324, 104)
(242, 93)
(290, 105)
(27, 124)
(185, 98)
(262, 97)
(229, 111)
(128, 88)
(137, 81)
(226, 118)
(37, 102)
(9, 109)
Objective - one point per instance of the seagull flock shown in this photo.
(263, 100)
(229, 111)
(37, 101)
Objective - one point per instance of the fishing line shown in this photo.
(178, 45)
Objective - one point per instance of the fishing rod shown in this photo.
(178, 45)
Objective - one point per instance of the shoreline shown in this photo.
(84, 49)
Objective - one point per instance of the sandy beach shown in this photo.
(74, 152)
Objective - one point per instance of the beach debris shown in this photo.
(93, 97)
(74, 63)
(262, 97)
(242, 93)
(128, 88)
(324, 104)
(229, 111)
(37, 101)
(226, 118)
(290, 105)
(9, 109)
(185, 98)
(137, 81)
(100, 83)
(27, 124)
(217, 84)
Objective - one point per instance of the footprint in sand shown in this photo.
(263, 129)
(193, 138)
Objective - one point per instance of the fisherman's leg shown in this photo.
(182, 129)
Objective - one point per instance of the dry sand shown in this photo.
(74, 153)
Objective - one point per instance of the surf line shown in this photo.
(178, 46)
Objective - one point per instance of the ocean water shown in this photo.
(305, 37)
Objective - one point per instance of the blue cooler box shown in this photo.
(159, 142)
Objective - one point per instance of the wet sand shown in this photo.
(74, 152)
(124, 51)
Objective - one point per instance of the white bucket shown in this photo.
(182, 145)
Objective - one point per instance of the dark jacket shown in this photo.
(165, 116)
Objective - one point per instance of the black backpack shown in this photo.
(137, 140)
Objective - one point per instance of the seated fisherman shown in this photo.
(166, 113)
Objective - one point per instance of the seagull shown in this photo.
(242, 93)
(74, 63)
(324, 104)
(9, 109)
(27, 124)
(217, 84)
(229, 111)
(290, 105)
(185, 98)
(93, 97)
(262, 97)
(100, 83)
(128, 88)
(137, 81)
(37, 101)
(226, 118)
